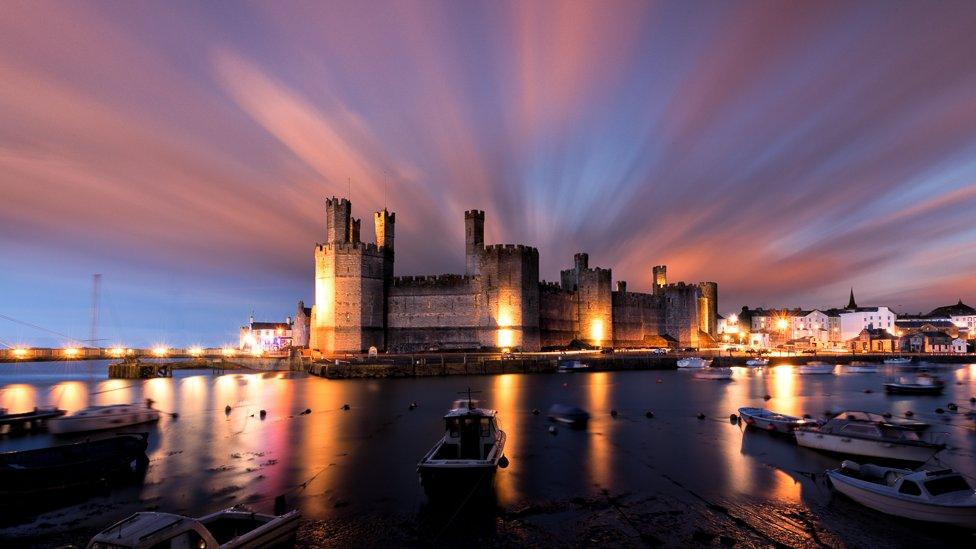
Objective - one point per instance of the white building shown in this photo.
(813, 323)
(852, 321)
(265, 337)
(959, 345)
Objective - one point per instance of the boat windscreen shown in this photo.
(947, 485)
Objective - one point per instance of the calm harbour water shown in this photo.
(336, 465)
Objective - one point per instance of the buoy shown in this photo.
(503, 463)
(227, 409)
(307, 411)
(868, 391)
(939, 411)
(909, 413)
(175, 415)
(552, 430)
(952, 406)
(263, 413)
(345, 406)
(972, 399)
(535, 411)
(733, 419)
(613, 413)
(767, 397)
(701, 415)
(649, 414)
(659, 380)
(412, 405)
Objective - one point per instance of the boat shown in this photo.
(858, 367)
(569, 415)
(769, 420)
(922, 384)
(898, 360)
(97, 418)
(757, 362)
(713, 373)
(941, 496)
(228, 529)
(694, 362)
(42, 471)
(901, 423)
(572, 366)
(849, 434)
(816, 367)
(467, 456)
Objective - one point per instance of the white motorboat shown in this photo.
(572, 366)
(97, 418)
(694, 362)
(757, 362)
(848, 434)
(228, 529)
(713, 373)
(898, 360)
(816, 367)
(467, 456)
(861, 368)
(771, 421)
(941, 496)
(922, 384)
(901, 423)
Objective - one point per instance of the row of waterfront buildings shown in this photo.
(948, 329)
(500, 302)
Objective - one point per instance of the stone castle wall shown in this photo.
(436, 312)
(557, 315)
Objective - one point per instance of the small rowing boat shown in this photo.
(923, 384)
(769, 420)
(714, 373)
(816, 367)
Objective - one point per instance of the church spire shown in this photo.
(852, 304)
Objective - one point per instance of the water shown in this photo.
(350, 467)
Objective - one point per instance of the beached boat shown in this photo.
(228, 529)
(694, 362)
(816, 367)
(39, 472)
(922, 384)
(467, 456)
(769, 420)
(572, 366)
(849, 435)
(569, 415)
(757, 362)
(97, 418)
(941, 496)
(713, 373)
(871, 417)
(898, 360)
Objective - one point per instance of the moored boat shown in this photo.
(713, 373)
(569, 415)
(694, 362)
(898, 360)
(858, 367)
(467, 456)
(941, 496)
(757, 362)
(97, 418)
(816, 367)
(228, 529)
(769, 420)
(572, 366)
(848, 434)
(922, 384)
(42, 471)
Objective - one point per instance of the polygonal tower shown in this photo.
(474, 239)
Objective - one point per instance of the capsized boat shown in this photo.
(229, 529)
(898, 360)
(923, 384)
(694, 362)
(97, 418)
(848, 434)
(46, 470)
(713, 373)
(941, 496)
(816, 367)
(757, 362)
(467, 456)
(772, 421)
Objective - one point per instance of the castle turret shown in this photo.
(474, 239)
(708, 308)
(660, 276)
(338, 213)
(384, 221)
(354, 225)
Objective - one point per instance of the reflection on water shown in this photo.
(334, 463)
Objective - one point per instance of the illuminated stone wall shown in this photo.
(557, 315)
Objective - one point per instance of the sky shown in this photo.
(787, 150)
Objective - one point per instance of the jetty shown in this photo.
(137, 369)
(27, 421)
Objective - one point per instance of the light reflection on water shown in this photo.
(333, 462)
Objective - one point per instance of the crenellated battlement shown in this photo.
(366, 247)
(511, 249)
(443, 280)
(474, 214)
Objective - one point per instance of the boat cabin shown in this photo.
(920, 484)
(471, 434)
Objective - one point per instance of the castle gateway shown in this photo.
(499, 302)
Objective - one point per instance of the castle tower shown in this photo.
(350, 286)
(708, 308)
(660, 277)
(594, 300)
(474, 239)
(510, 278)
(384, 221)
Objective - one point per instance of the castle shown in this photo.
(499, 302)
